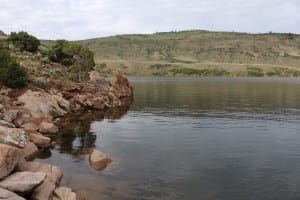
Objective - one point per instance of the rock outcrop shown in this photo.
(42, 104)
(27, 118)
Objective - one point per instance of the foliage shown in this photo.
(11, 73)
(78, 59)
(199, 72)
(255, 71)
(24, 41)
(280, 71)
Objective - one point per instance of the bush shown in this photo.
(255, 71)
(11, 73)
(24, 41)
(78, 58)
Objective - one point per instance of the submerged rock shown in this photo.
(23, 182)
(9, 157)
(98, 160)
(8, 195)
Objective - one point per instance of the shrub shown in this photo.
(255, 71)
(24, 41)
(78, 59)
(11, 73)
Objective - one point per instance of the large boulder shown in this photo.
(29, 151)
(9, 157)
(54, 174)
(64, 193)
(98, 160)
(8, 195)
(44, 191)
(23, 182)
(42, 104)
(48, 128)
(13, 136)
(40, 140)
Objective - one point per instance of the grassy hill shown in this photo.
(200, 53)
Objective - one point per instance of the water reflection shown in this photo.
(75, 136)
(188, 138)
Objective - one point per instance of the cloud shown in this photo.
(79, 19)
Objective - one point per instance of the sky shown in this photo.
(82, 19)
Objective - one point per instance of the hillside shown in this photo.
(199, 53)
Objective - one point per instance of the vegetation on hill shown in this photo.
(78, 59)
(172, 53)
(24, 60)
(11, 73)
(24, 41)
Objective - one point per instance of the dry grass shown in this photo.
(233, 52)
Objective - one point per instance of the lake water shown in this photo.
(190, 138)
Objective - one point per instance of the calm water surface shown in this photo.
(190, 138)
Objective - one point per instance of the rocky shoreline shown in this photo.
(29, 120)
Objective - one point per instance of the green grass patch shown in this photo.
(199, 72)
(255, 71)
(160, 66)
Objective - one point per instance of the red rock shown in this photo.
(23, 182)
(48, 128)
(98, 160)
(40, 140)
(9, 157)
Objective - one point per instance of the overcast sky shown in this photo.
(80, 19)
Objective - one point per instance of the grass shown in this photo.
(228, 53)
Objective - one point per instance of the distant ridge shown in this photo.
(163, 53)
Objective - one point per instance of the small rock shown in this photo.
(7, 124)
(8, 195)
(99, 103)
(11, 115)
(98, 160)
(30, 126)
(18, 103)
(40, 140)
(48, 128)
(1, 107)
(54, 174)
(9, 157)
(23, 182)
(64, 193)
(29, 151)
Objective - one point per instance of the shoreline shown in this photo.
(29, 120)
